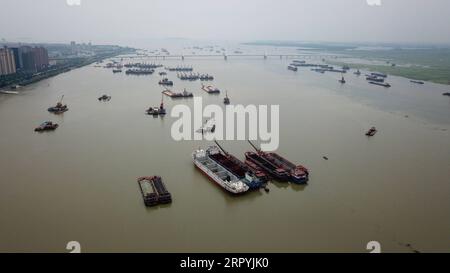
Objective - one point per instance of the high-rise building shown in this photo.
(40, 57)
(17, 51)
(7, 62)
(34, 58)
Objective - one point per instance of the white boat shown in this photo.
(217, 173)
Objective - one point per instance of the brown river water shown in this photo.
(78, 183)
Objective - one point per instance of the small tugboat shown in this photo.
(117, 70)
(226, 100)
(59, 108)
(357, 73)
(104, 98)
(372, 131)
(216, 172)
(166, 81)
(46, 126)
(342, 80)
(154, 191)
(155, 111)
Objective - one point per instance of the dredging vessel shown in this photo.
(277, 166)
(59, 108)
(155, 111)
(216, 172)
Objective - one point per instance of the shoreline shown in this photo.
(63, 69)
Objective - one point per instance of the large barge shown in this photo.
(217, 173)
(277, 166)
(184, 94)
(210, 90)
(380, 84)
(237, 167)
(154, 191)
(139, 71)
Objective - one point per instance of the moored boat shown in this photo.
(155, 111)
(209, 89)
(371, 132)
(217, 173)
(46, 126)
(226, 100)
(374, 79)
(237, 167)
(165, 81)
(418, 82)
(278, 167)
(104, 98)
(154, 191)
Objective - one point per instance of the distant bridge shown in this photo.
(226, 56)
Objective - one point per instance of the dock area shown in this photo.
(154, 191)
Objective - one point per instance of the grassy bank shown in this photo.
(430, 64)
(431, 74)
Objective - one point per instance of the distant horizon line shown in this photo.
(239, 41)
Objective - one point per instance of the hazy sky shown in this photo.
(134, 21)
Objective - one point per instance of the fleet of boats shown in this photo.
(224, 169)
